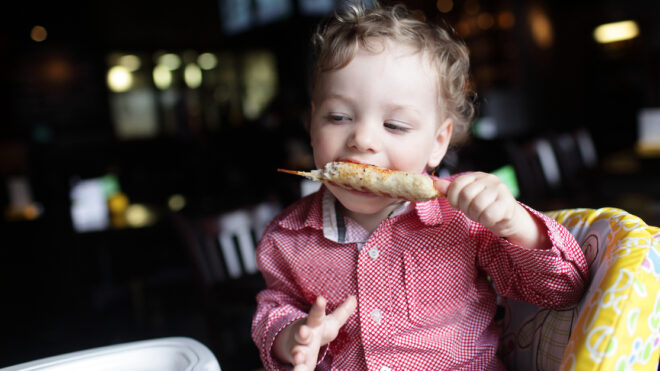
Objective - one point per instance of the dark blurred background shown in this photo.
(130, 128)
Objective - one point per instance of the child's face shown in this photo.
(381, 109)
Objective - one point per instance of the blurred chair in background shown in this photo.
(537, 172)
(556, 171)
(222, 252)
(577, 160)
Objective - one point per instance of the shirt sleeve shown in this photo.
(277, 306)
(552, 278)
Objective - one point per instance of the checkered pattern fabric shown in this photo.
(421, 279)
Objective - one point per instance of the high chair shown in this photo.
(616, 325)
(159, 354)
(221, 248)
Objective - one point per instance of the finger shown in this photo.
(499, 218)
(456, 187)
(317, 313)
(337, 319)
(467, 188)
(480, 204)
(302, 336)
(312, 359)
(442, 185)
(469, 193)
(305, 357)
(492, 216)
(508, 226)
(298, 356)
(343, 312)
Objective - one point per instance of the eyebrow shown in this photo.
(337, 96)
(389, 106)
(402, 107)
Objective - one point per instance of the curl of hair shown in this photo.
(355, 26)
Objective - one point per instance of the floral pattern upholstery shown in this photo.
(616, 325)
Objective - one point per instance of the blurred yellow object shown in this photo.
(130, 61)
(119, 79)
(176, 202)
(118, 203)
(138, 216)
(617, 31)
(616, 325)
(28, 212)
(648, 148)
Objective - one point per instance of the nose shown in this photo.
(364, 138)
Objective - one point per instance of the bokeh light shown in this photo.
(192, 75)
(38, 33)
(119, 79)
(617, 31)
(130, 61)
(207, 61)
(162, 77)
(170, 60)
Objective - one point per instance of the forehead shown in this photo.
(400, 69)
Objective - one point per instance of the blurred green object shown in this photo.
(508, 176)
(110, 185)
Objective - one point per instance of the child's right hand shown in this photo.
(299, 343)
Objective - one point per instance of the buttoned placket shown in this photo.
(373, 276)
(374, 293)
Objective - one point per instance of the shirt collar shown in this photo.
(319, 211)
(305, 213)
(342, 229)
(430, 213)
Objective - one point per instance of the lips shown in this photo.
(354, 161)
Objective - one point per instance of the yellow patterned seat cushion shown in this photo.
(616, 325)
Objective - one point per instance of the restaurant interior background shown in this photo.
(129, 128)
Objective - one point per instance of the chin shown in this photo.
(361, 202)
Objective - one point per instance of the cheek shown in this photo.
(411, 160)
(315, 135)
(321, 147)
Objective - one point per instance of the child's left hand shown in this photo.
(485, 199)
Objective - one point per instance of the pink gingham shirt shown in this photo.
(421, 279)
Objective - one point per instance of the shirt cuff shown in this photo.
(542, 260)
(271, 361)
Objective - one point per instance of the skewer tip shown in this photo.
(294, 172)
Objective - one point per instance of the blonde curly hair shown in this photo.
(355, 26)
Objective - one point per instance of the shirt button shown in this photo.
(385, 368)
(376, 316)
(373, 253)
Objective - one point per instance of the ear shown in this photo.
(441, 143)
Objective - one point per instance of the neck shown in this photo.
(371, 221)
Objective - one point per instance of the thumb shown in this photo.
(442, 185)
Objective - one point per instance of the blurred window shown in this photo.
(272, 10)
(235, 15)
(316, 7)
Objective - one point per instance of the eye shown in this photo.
(337, 117)
(395, 126)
